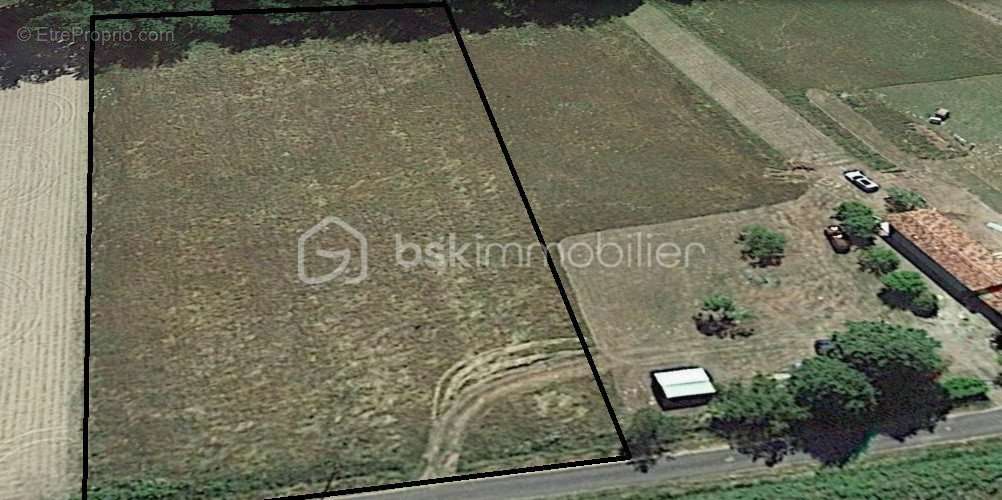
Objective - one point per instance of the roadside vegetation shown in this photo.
(650, 434)
(878, 378)
(971, 470)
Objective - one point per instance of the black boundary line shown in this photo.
(275, 10)
(87, 252)
(538, 231)
(511, 168)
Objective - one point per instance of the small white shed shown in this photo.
(682, 386)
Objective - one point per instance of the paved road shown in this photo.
(695, 465)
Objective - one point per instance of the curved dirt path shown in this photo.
(447, 431)
(490, 364)
(42, 219)
(452, 415)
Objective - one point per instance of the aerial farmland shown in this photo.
(508, 249)
(213, 361)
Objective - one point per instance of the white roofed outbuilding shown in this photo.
(686, 386)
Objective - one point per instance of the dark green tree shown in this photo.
(908, 290)
(70, 14)
(925, 305)
(879, 260)
(908, 283)
(849, 209)
(757, 418)
(889, 354)
(762, 245)
(650, 434)
(833, 391)
(858, 220)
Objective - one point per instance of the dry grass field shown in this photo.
(211, 361)
(42, 218)
(617, 138)
(550, 432)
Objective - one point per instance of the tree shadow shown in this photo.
(895, 299)
(764, 262)
(36, 61)
(861, 242)
(26, 56)
(911, 407)
(833, 445)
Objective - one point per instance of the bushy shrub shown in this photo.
(762, 245)
(879, 260)
(961, 389)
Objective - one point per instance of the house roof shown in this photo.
(684, 382)
(994, 300)
(950, 246)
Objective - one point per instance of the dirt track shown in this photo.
(746, 99)
(992, 11)
(42, 220)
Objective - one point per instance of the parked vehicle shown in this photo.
(860, 180)
(837, 239)
(823, 346)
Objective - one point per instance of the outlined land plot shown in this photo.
(618, 139)
(239, 343)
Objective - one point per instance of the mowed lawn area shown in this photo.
(212, 363)
(896, 62)
(605, 133)
(847, 44)
(975, 104)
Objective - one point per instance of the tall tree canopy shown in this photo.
(833, 391)
(888, 353)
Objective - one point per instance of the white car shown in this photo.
(860, 180)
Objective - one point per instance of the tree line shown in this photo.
(37, 60)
